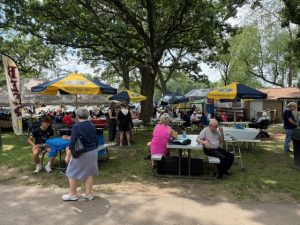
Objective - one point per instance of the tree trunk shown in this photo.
(148, 81)
(163, 83)
(125, 72)
(290, 60)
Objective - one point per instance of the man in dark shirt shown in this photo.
(289, 123)
(40, 135)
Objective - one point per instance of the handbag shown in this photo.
(181, 141)
(78, 148)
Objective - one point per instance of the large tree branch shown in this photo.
(130, 18)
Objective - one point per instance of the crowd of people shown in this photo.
(191, 117)
(85, 167)
(211, 136)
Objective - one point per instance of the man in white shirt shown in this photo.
(211, 138)
(194, 119)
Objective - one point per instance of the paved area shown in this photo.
(35, 205)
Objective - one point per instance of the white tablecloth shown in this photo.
(246, 133)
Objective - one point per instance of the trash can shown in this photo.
(296, 144)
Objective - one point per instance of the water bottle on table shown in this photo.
(184, 134)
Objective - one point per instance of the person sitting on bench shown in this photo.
(40, 135)
(195, 118)
(211, 138)
(68, 120)
(256, 124)
(162, 134)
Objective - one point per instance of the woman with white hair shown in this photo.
(162, 134)
(86, 165)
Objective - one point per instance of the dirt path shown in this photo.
(38, 205)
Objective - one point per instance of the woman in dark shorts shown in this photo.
(124, 123)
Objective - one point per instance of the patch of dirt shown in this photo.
(273, 197)
(207, 190)
(188, 188)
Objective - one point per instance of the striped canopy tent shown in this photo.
(235, 92)
(74, 84)
(128, 96)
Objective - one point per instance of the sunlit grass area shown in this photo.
(268, 170)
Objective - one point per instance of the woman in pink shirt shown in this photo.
(162, 134)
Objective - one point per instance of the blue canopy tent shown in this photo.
(128, 96)
(173, 99)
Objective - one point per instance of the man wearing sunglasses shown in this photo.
(211, 138)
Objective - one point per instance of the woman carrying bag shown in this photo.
(85, 166)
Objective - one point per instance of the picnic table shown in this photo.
(193, 146)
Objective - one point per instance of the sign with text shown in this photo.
(14, 92)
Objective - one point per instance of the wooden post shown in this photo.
(1, 149)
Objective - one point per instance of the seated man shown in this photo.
(211, 138)
(194, 118)
(100, 113)
(40, 135)
(255, 124)
(68, 120)
(224, 117)
(186, 119)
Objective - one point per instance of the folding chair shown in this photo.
(236, 150)
(263, 125)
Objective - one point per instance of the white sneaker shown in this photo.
(69, 197)
(48, 168)
(88, 197)
(38, 168)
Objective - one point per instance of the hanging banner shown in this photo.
(14, 92)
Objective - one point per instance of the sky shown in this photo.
(213, 73)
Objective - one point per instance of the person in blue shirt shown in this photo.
(289, 123)
(203, 120)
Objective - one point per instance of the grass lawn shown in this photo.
(269, 175)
